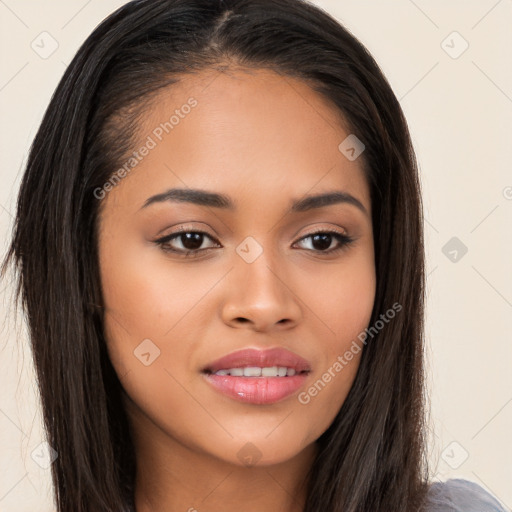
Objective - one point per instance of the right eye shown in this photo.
(189, 243)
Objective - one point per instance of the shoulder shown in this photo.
(458, 495)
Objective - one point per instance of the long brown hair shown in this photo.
(372, 457)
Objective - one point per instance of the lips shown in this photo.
(260, 358)
(256, 387)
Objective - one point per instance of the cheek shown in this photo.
(342, 297)
(146, 294)
(344, 305)
(153, 328)
(157, 311)
(347, 303)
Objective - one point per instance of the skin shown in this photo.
(264, 140)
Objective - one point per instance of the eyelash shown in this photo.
(343, 240)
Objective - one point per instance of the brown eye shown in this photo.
(185, 242)
(191, 241)
(322, 241)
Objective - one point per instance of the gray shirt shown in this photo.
(458, 495)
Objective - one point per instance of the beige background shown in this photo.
(460, 114)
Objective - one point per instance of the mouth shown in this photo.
(258, 376)
(257, 371)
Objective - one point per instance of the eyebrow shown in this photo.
(216, 200)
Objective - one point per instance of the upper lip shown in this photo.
(262, 358)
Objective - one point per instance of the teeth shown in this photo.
(256, 371)
(252, 371)
(269, 372)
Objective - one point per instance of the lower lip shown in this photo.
(257, 390)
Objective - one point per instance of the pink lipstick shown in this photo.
(258, 376)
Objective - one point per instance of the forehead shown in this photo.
(241, 130)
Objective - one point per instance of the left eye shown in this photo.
(190, 242)
(322, 241)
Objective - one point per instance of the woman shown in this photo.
(219, 245)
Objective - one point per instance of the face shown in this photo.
(255, 269)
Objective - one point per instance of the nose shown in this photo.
(260, 296)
